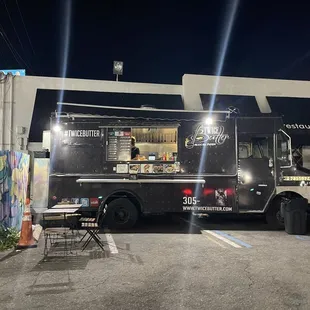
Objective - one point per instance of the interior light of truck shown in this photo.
(187, 192)
(57, 128)
(209, 121)
(247, 177)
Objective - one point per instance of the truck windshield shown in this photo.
(283, 149)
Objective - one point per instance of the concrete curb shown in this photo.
(6, 254)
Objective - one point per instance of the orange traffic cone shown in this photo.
(26, 238)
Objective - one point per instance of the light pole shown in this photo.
(118, 68)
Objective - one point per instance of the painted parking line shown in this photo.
(218, 236)
(304, 238)
(242, 243)
(111, 244)
(211, 239)
(228, 239)
(216, 242)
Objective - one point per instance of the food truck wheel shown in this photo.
(121, 214)
(274, 218)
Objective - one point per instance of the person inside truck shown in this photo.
(135, 152)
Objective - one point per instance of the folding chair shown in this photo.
(92, 226)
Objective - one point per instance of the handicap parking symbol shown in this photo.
(85, 202)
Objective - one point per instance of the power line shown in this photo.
(2, 58)
(296, 62)
(12, 49)
(21, 16)
(2, 62)
(6, 8)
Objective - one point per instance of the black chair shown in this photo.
(92, 226)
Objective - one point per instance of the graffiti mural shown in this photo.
(40, 183)
(14, 173)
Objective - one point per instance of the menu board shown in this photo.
(119, 144)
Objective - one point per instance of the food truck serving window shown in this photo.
(142, 143)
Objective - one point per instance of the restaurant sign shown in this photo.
(297, 126)
(206, 135)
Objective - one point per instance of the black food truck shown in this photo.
(197, 162)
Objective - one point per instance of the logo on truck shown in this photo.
(82, 133)
(206, 136)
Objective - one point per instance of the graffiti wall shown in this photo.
(14, 173)
(40, 184)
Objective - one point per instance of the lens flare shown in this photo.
(227, 30)
(65, 48)
(229, 22)
(67, 13)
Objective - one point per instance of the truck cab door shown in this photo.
(256, 182)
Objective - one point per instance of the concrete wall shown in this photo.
(17, 96)
(6, 112)
(35, 146)
(194, 85)
(18, 93)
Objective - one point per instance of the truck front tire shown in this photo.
(121, 214)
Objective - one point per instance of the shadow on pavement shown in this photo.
(57, 263)
(12, 253)
(52, 288)
(182, 224)
(246, 222)
(160, 224)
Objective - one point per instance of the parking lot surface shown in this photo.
(184, 263)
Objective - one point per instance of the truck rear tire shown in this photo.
(274, 218)
(121, 214)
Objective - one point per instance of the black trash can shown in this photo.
(295, 216)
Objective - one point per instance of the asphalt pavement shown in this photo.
(166, 264)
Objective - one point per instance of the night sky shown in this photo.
(158, 41)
